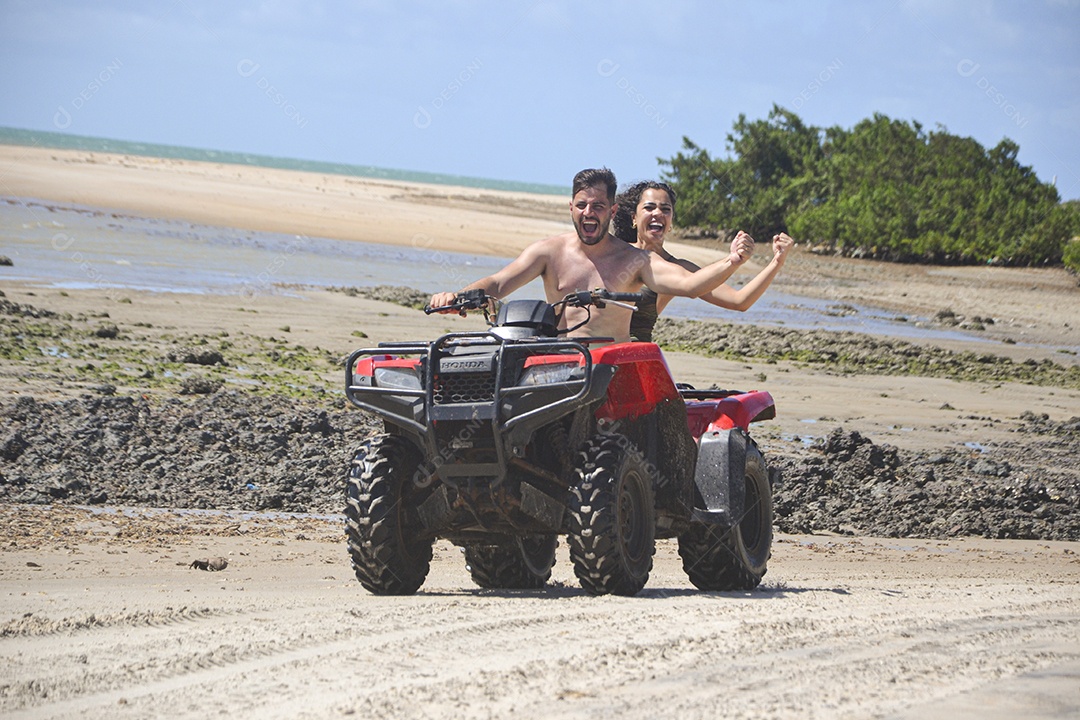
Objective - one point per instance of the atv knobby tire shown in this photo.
(735, 558)
(612, 518)
(390, 552)
(522, 563)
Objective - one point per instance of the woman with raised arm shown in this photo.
(645, 213)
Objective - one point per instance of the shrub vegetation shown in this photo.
(885, 189)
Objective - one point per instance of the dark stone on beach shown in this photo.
(5, 261)
(216, 564)
(200, 386)
(989, 467)
(12, 446)
(193, 356)
(1027, 490)
(11, 308)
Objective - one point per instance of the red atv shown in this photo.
(500, 441)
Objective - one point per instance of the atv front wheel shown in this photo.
(612, 535)
(510, 563)
(736, 558)
(390, 553)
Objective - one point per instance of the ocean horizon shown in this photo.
(65, 141)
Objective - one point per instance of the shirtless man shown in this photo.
(590, 257)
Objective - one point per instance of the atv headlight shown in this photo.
(398, 378)
(552, 373)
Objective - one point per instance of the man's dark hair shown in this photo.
(623, 222)
(595, 177)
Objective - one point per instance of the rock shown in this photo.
(210, 564)
(12, 446)
(200, 386)
(201, 356)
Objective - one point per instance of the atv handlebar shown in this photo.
(479, 300)
(476, 299)
(601, 297)
(619, 296)
(468, 300)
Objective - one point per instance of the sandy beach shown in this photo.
(101, 614)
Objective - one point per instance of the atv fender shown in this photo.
(720, 476)
(723, 409)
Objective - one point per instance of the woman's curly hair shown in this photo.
(628, 201)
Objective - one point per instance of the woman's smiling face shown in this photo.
(654, 215)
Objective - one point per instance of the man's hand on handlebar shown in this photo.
(442, 303)
(460, 303)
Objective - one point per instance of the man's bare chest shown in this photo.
(579, 272)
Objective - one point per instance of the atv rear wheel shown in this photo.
(734, 559)
(390, 552)
(612, 534)
(522, 563)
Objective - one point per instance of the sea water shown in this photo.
(64, 245)
(69, 246)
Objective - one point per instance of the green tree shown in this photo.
(884, 188)
(773, 161)
(702, 184)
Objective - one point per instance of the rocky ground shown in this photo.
(153, 417)
(1029, 489)
(234, 450)
(850, 352)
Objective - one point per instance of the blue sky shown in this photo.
(534, 91)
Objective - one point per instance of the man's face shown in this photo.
(592, 212)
